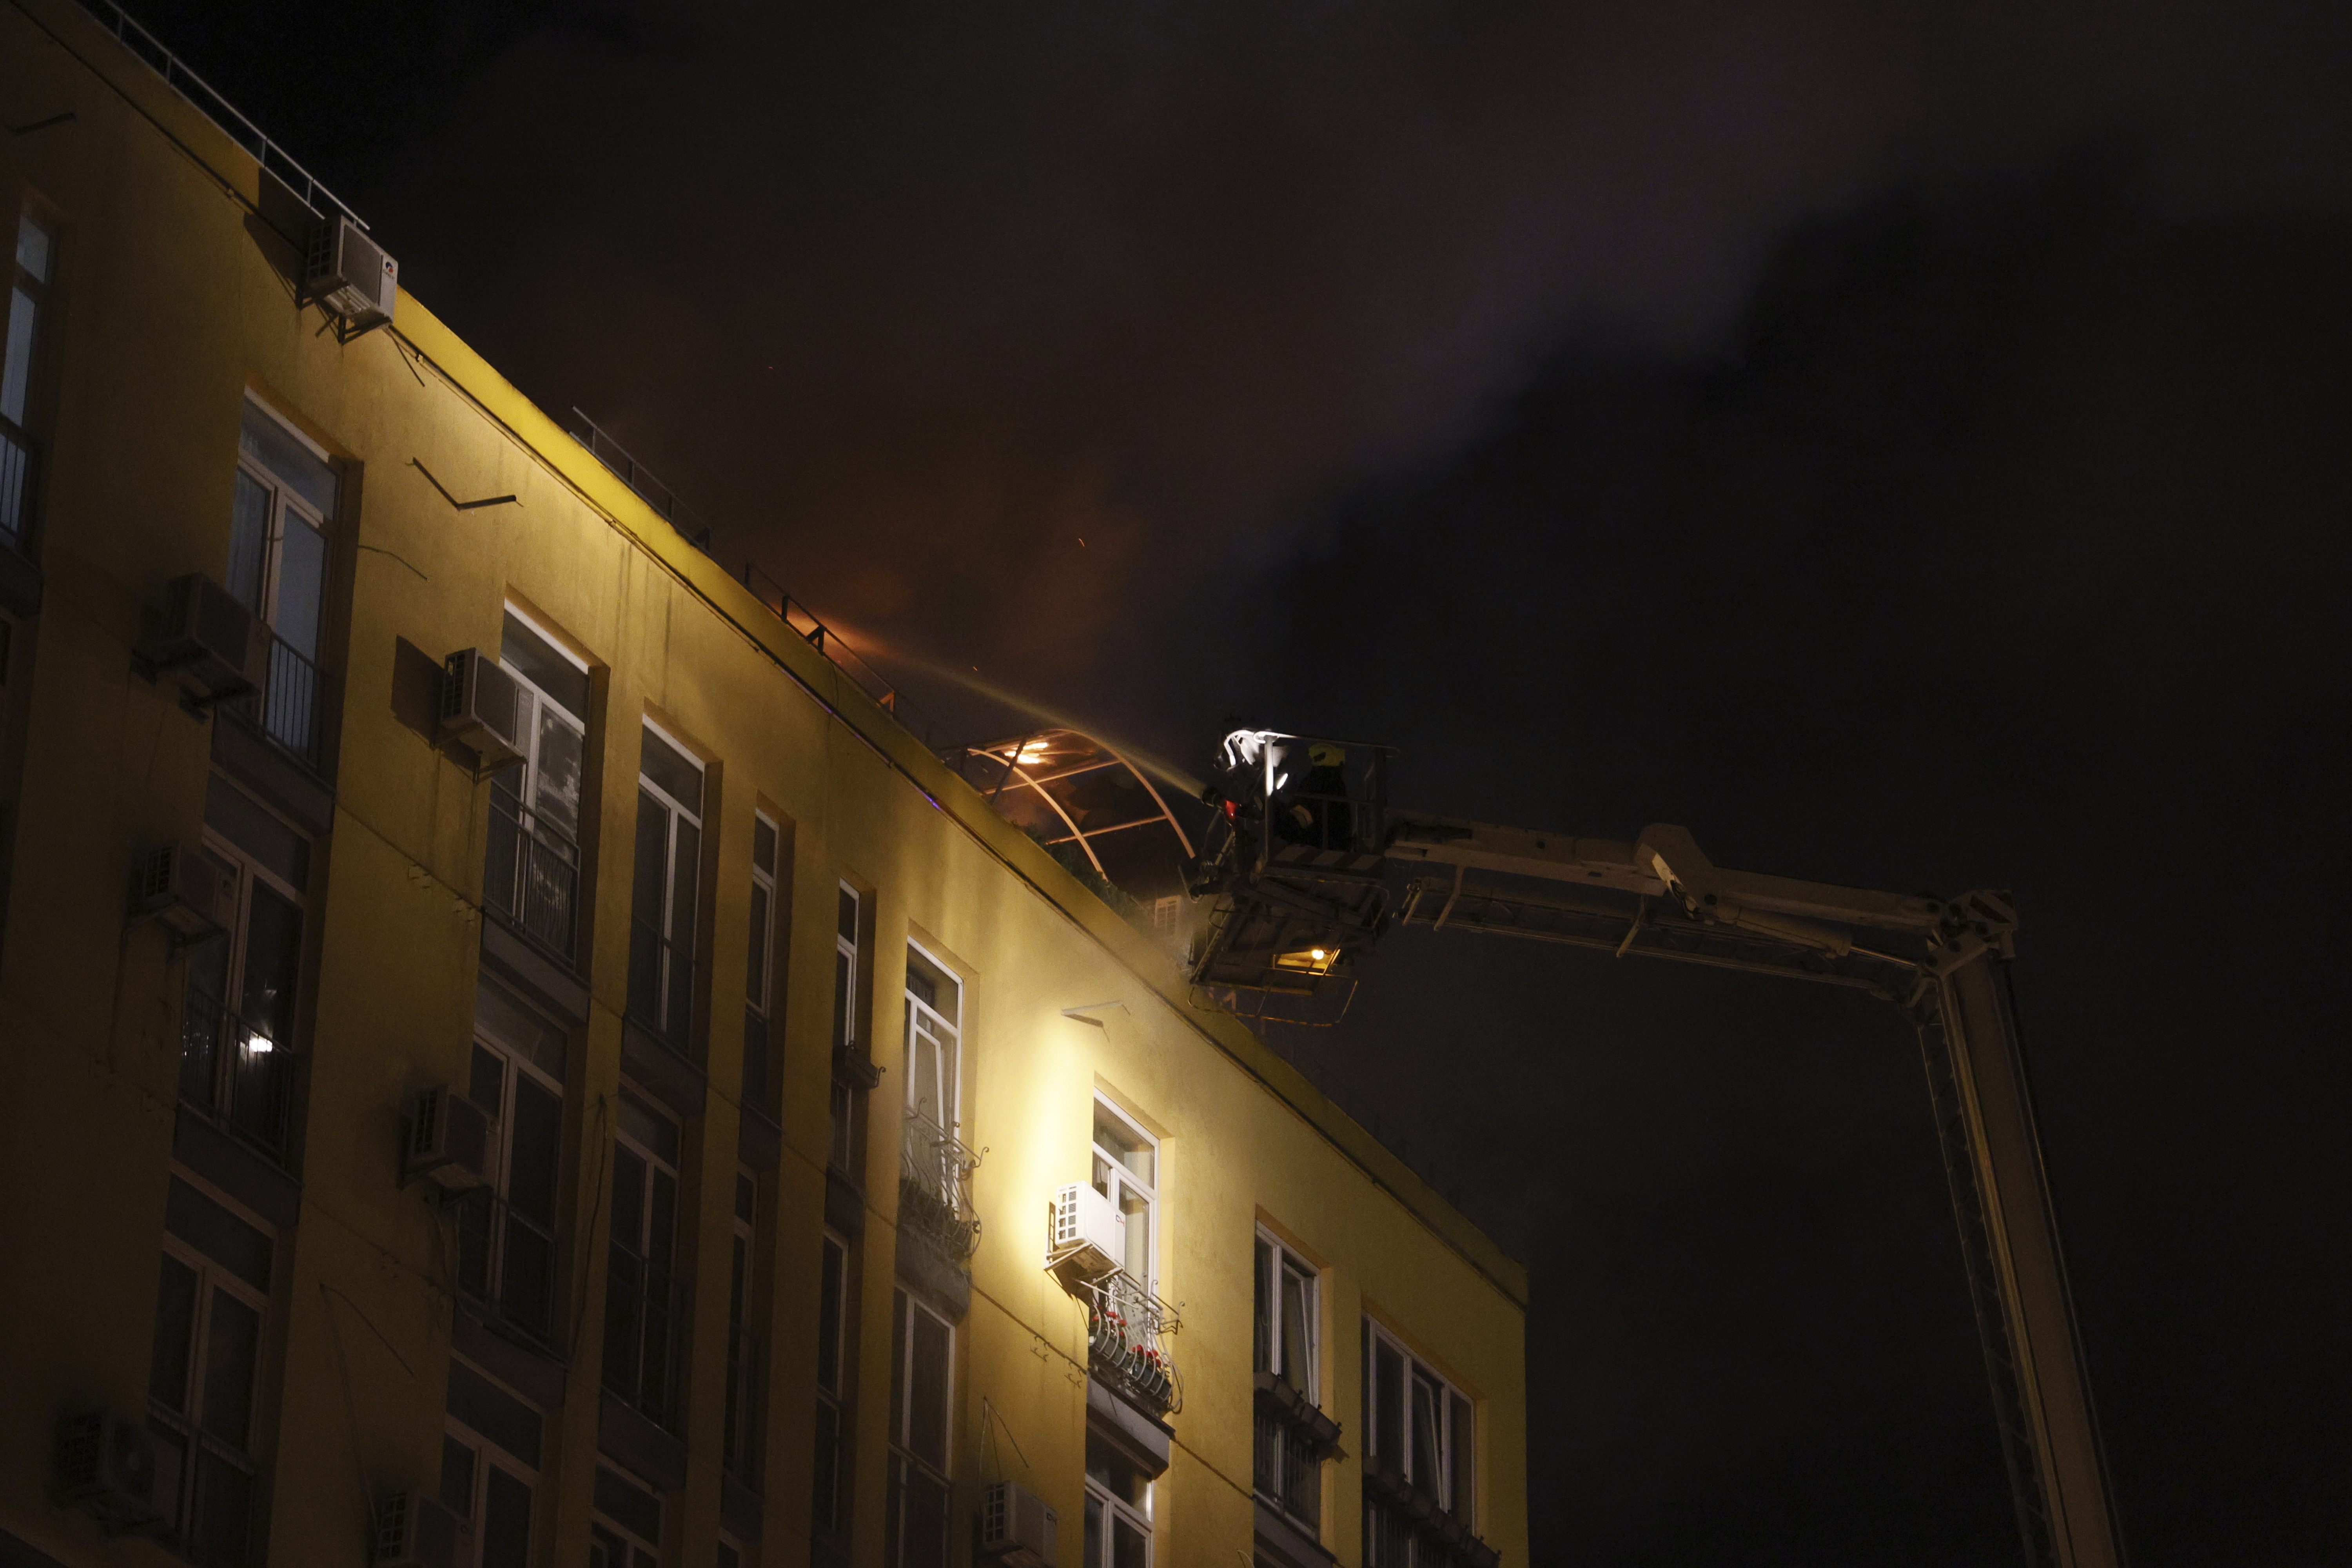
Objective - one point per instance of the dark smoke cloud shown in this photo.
(912, 298)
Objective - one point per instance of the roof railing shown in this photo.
(640, 478)
(207, 101)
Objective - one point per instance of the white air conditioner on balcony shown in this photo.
(1016, 1528)
(106, 1463)
(184, 890)
(414, 1530)
(350, 274)
(217, 648)
(482, 706)
(1089, 1234)
(447, 1138)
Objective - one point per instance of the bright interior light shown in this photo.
(259, 1045)
(1318, 955)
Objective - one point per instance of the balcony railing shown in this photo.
(661, 987)
(935, 1189)
(17, 472)
(1292, 1440)
(235, 1074)
(530, 880)
(288, 707)
(1406, 1528)
(506, 1263)
(645, 1335)
(1127, 1329)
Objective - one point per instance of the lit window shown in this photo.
(1126, 1171)
(237, 1031)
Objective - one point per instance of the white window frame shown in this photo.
(833, 1397)
(1281, 1257)
(1115, 1509)
(678, 812)
(35, 288)
(1449, 1395)
(189, 1424)
(541, 704)
(515, 1066)
(844, 968)
(904, 1306)
(487, 1453)
(289, 507)
(760, 985)
(946, 1037)
(1119, 1182)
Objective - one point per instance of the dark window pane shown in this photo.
(483, 1405)
(1466, 1445)
(763, 845)
(684, 877)
(217, 1233)
(625, 1504)
(1095, 1511)
(1264, 1317)
(506, 1520)
(248, 541)
(457, 1478)
(646, 892)
(1388, 1405)
(928, 1409)
(629, 1199)
(747, 1198)
(1427, 1450)
(898, 1308)
(1127, 1544)
(846, 924)
(240, 819)
(170, 1471)
(1297, 1357)
(524, 650)
(926, 1522)
(175, 1333)
(231, 1351)
(486, 1086)
(536, 1135)
(223, 1527)
(755, 973)
(673, 772)
(841, 1031)
(827, 1495)
(828, 1317)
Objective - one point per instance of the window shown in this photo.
(1125, 1160)
(1119, 1510)
(1421, 1429)
(28, 305)
(933, 1005)
(922, 1355)
(490, 1469)
(831, 1513)
(626, 1530)
(741, 1423)
(531, 875)
(506, 1230)
(662, 905)
(204, 1381)
(1287, 1326)
(642, 1326)
(238, 1029)
(845, 1096)
(759, 977)
(287, 490)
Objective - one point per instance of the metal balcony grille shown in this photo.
(288, 707)
(530, 880)
(935, 1189)
(1292, 1439)
(1406, 1528)
(235, 1074)
(1127, 1330)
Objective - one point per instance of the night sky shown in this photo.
(1910, 445)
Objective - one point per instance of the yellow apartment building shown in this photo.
(510, 1055)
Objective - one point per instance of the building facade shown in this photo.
(511, 1056)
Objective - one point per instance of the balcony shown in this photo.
(506, 1265)
(1292, 1440)
(1404, 1527)
(935, 1190)
(644, 1337)
(530, 878)
(1127, 1330)
(235, 1074)
(288, 708)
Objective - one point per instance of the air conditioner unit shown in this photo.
(447, 1138)
(1089, 1234)
(414, 1530)
(106, 1463)
(350, 274)
(184, 890)
(218, 648)
(482, 706)
(1016, 1528)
